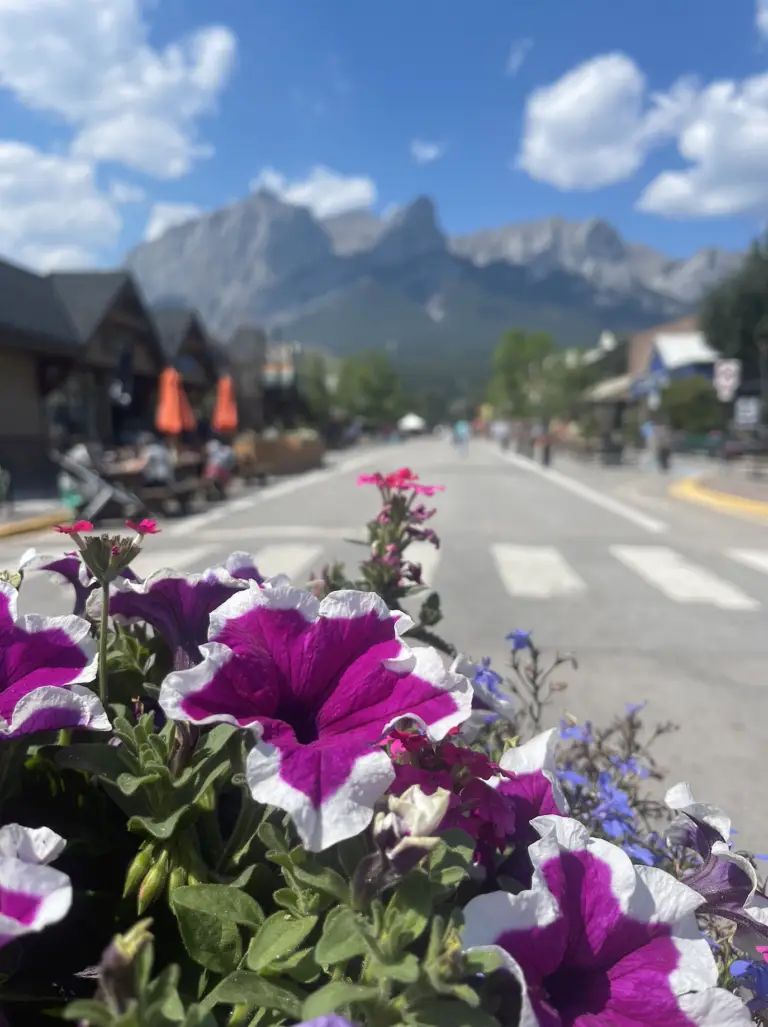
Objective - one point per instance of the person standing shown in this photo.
(663, 439)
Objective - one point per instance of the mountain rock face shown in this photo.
(357, 281)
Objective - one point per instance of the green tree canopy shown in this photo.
(370, 387)
(734, 315)
(517, 368)
(690, 404)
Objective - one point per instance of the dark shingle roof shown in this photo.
(173, 323)
(30, 305)
(88, 295)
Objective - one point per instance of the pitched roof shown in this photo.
(30, 305)
(641, 345)
(88, 295)
(173, 323)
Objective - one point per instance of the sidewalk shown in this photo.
(28, 515)
(728, 489)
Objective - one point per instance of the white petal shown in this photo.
(181, 683)
(30, 844)
(51, 886)
(680, 799)
(251, 597)
(715, 1008)
(343, 815)
(536, 756)
(487, 918)
(90, 712)
(76, 629)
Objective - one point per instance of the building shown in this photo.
(111, 394)
(188, 347)
(246, 354)
(39, 345)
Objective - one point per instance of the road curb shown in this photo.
(38, 523)
(690, 490)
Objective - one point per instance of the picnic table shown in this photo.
(186, 485)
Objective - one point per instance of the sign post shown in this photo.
(727, 379)
(746, 413)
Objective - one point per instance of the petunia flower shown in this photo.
(178, 606)
(319, 684)
(243, 566)
(43, 664)
(530, 780)
(68, 569)
(32, 894)
(600, 942)
(726, 880)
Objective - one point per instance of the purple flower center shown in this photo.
(18, 906)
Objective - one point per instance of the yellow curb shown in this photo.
(690, 490)
(39, 523)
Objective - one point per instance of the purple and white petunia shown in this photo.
(32, 895)
(178, 606)
(319, 684)
(67, 568)
(601, 942)
(43, 664)
(243, 566)
(726, 880)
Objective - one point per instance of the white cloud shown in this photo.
(761, 17)
(89, 62)
(424, 152)
(167, 215)
(518, 53)
(52, 214)
(598, 123)
(325, 192)
(594, 126)
(125, 192)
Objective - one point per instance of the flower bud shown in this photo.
(154, 882)
(176, 879)
(116, 986)
(138, 869)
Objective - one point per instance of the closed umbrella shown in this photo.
(224, 419)
(174, 414)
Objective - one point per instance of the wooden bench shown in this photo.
(181, 492)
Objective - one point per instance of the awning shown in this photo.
(612, 390)
(411, 422)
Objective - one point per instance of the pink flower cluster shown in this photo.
(403, 480)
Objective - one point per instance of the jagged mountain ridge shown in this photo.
(357, 280)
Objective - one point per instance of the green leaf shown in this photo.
(208, 915)
(92, 1012)
(105, 761)
(272, 837)
(409, 910)
(288, 899)
(449, 863)
(278, 936)
(483, 961)
(406, 971)
(341, 939)
(247, 988)
(325, 880)
(445, 1013)
(163, 829)
(335, 995)
(129, 784)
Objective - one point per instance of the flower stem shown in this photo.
(103, 689)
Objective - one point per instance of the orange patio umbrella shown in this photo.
(224, 419)
(174, 414)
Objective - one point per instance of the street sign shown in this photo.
(727, 379)
(746, 413)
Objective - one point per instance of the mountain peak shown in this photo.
(411, 232)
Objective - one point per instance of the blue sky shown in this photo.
(120, 117)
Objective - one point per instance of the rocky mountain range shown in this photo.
(356, 280)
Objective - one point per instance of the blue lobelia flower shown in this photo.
(753, 975)
(613, 811)
(570, 732)
(487, 678)
(519, 639)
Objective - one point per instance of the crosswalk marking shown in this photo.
(757, 559)
(293, 560)
(680, 580)
(153, 559)
(535, 572)
(424, 553)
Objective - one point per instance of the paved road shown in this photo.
(661, 601)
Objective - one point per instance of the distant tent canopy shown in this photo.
(412, 424)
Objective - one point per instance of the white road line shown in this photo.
(757, 559)
(425, 554)
(293, 560)
(152, 559)
(226, 534)
(535, 572)
(680, 580)
(578, 488)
